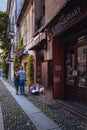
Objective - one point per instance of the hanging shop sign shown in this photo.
(18, 52)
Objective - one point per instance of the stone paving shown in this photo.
(40, 120)
(13, 120)
(13, 116)
(65, 119)
(1, 119)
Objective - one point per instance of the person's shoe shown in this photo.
(16, 93)
(20, 93)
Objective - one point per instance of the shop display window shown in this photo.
(82, 66)
(70, 70)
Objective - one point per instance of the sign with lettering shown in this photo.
(68, 15)
(66, 20)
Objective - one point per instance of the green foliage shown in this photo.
(30, 69)
(17, 62)
(5, 67)
(4, 21)
(5, 43)
(20, 44)
(4, 64)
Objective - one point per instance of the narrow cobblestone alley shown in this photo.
(16, 119)
(43, 65)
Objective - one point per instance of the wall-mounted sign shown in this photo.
(56, 79)
(66, 20)
(58, 68)
(74, 73)
(69, 15)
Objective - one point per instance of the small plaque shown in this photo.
(56, 79)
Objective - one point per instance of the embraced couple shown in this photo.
(19, 80)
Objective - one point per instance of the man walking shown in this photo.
(22, 78)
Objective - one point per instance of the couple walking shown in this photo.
(19, 80)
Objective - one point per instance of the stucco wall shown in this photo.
(51, 8)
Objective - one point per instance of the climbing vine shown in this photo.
(30, 69)
(17, 59)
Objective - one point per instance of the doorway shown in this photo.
(47, 79)
(70, 73)
(47, 74)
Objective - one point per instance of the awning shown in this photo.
(36, 41)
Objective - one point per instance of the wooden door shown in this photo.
(45, 74)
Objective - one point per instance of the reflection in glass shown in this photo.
(70, 80)
(82, 69)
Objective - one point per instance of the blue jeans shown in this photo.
(22, 84)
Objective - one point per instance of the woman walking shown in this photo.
(16, 81)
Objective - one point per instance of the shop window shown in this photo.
(82, 66)
(70, 68)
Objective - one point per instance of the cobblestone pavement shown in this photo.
(13, 116)
(65, 119)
